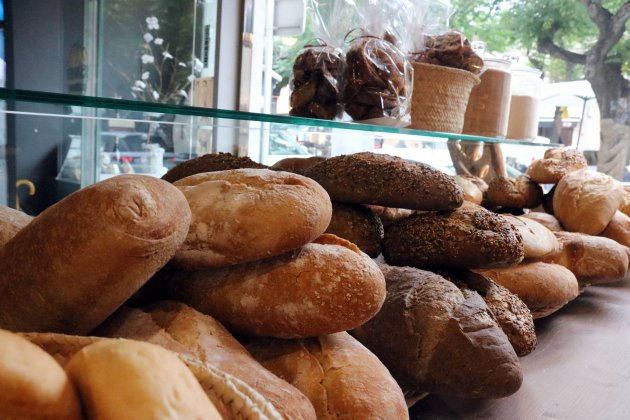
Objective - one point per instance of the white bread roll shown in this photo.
(322, 288)
(245, 215)
(11, 222)
(543, 287)
(340, 376)
(32, 384)
(586, 201)
(82, 258)
(537, 239)
(126, 379)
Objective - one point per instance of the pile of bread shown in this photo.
(320, 288)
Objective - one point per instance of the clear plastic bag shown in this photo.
(450, 49)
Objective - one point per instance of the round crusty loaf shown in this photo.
(537, 239)
(181, 329)
(245, 215)
(592, 259)
(34, 386)
(547, 220)
(321, 288)
(436, 338)
(359, 225)
(82, 258)
(126, 379)
(369, 178)
(472, 192)
(543, 287)
(11, 222)
(586, 201)
(555, 164)
(624, 207)
(470, 236)
(618, 229)
(340, 376)
(519, 193)
(210, 163)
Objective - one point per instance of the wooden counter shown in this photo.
(580, 369)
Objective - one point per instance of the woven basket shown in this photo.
(232, 397)
(440, 96)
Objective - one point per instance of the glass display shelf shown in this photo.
(59, 142)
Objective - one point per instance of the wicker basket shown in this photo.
(440, 96)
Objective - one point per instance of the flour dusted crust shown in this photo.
(248, 214)
(340, 376)
(34, 386)
(543, 287)
(389, 181)
(555, 164)
(537, 239)
(320, 288)
(586, 201)
(11, 222)
(210, 163)
(520, 192)
(470, 236)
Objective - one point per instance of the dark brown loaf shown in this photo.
(543, 287)
(435, 338)
(321, 288)
(205, 339)
(369, 178)
(245, 215)
(80, 259)
(342, 378)
(520, 192)
(210, 163)
(11, 222)
(470, 236)
(359, 225)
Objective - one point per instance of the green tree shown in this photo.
(590, 37)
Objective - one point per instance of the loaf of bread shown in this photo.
(555, 164)
(127, 379)
(547, 202)
(82, 258)
(245, 215)
(34, 386)
(543, 287)
(436, 338)
(11, 222)
(210, 163)
(592, 259)
(359, 225)
(537, 239)
(624, 207)
(297, 165)
(369, 178)
(321, 288)
(341, 377)
(389, 215)
(547, 220)
(206, 340)
(618, 229)
(472, 192)
(510, 312)
(520, 192)
(470, 236)
(586, 201)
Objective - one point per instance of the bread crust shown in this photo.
(555, 164)
(210, 163)
(82, 258)
(340, 376)
(359, 225)
(543, 287)
(369, 178)
(11, 222)
(435, 338)
(245, 215)
(297, 165)
(472, 192)
(537, 239)
(586, 201)
(470, 236)
(547, 220)
(618, 229)
(319, 289)
(520, 192)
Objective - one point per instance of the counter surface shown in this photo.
(580, 369)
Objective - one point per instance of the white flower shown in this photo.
(145, 75)
(191, 78)
(183, 93)
(140, 84)
(180, 64)
(147, 37)
(136, 89)
(167, 55)
(158, 41)
(156, 95)
(146, 59)
(152, 23)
